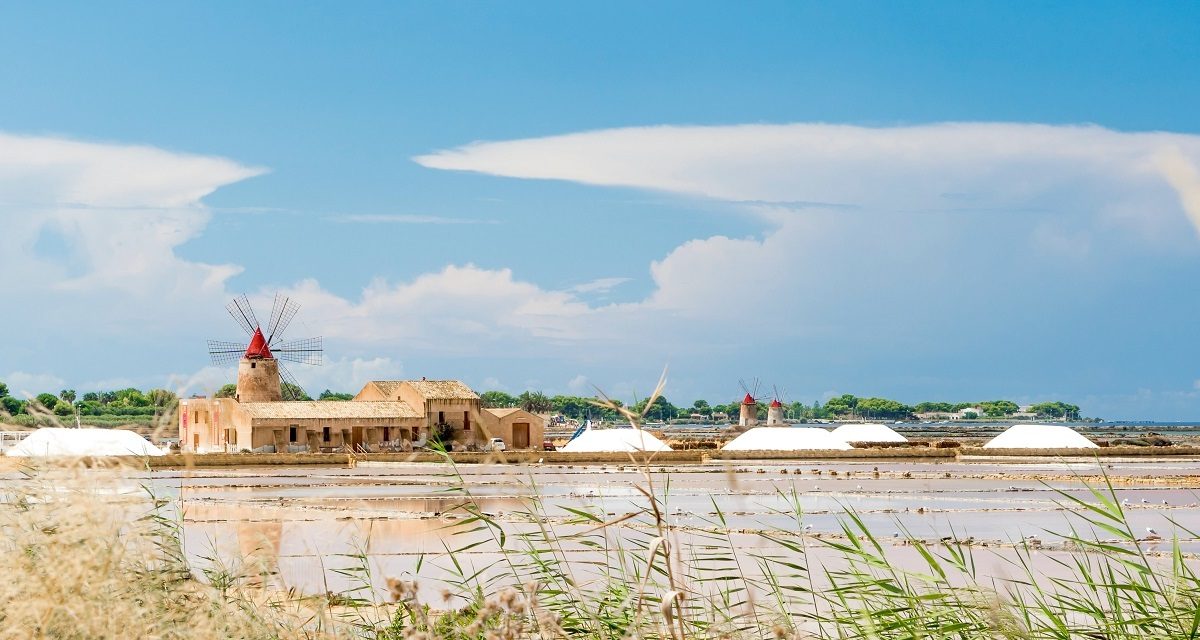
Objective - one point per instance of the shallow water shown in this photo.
(309, 525)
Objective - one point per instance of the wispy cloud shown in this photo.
(599, 285)
(404, 219)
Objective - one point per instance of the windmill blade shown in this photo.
(243, 314)
(304, 351)
(223, 353)
(282, 312)
(292, 390)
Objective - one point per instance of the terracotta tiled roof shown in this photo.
(429, 389)
(330, 409)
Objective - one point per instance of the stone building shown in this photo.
(384, 415)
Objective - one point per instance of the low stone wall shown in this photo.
(178, 460)
(1102, 452)
(889, 453)
(694, 456)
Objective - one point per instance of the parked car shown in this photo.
(496, 444)
(548, 445)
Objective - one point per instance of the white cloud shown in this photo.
(22, 384)
(579, 385)
(599, 285)
(942, 167)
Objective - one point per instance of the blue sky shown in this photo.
(902, 199)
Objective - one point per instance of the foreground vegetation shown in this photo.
(88, 555)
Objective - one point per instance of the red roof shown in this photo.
(749, 399)
(258, 348)
(776, 403)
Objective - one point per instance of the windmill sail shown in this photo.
(243, 314)
(282, 312)
(303, 351)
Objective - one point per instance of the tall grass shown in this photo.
(88, 554)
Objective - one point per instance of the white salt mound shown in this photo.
(57, 441)
(609, 440)
(867, 432)
(786, 439)
(1039, 436)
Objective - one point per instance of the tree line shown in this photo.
(122, 402)
(844, 406)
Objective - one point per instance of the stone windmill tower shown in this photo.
(260, 372)
(748, 415)
(775, 411)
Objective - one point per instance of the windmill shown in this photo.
(775, 410)
(748, 417)
(259, 368)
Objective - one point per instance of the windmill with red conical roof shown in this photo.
(261, 376)
(775, 411)
(748, 416)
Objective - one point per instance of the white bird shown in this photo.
(808, 527)
(858, 487)
(1164, 502)
(895, 534)
(1151, 534)
(816, 488)
(1145, 501)
(1125, 502)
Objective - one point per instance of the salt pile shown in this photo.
(867, 432)
(1039, 436)
(57, 441)
(786, 439)
(609, 440)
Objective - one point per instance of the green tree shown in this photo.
(3, 390)
(11, 405)
(226, 391)
(497, 400)
(331, 395)
(842, 405)
(67, 396)
(883, 408)
(1056, 410)
(91, 396)
(571, 406)
(47, 400)
(934, 407)
(701, 407)
(661, 410)
(64, 409)
(292, 392)
(999, 408)
(130, 398)
(534, 402)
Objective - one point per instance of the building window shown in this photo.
(387, 434)
(466, 421)
(441, 417)
(292, 433)
(325, 434)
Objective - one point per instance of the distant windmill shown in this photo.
(259, 369)
(748, 416)
(775, 410)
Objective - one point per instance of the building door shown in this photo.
(196, 442)
(520, 435)
(358, 438)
